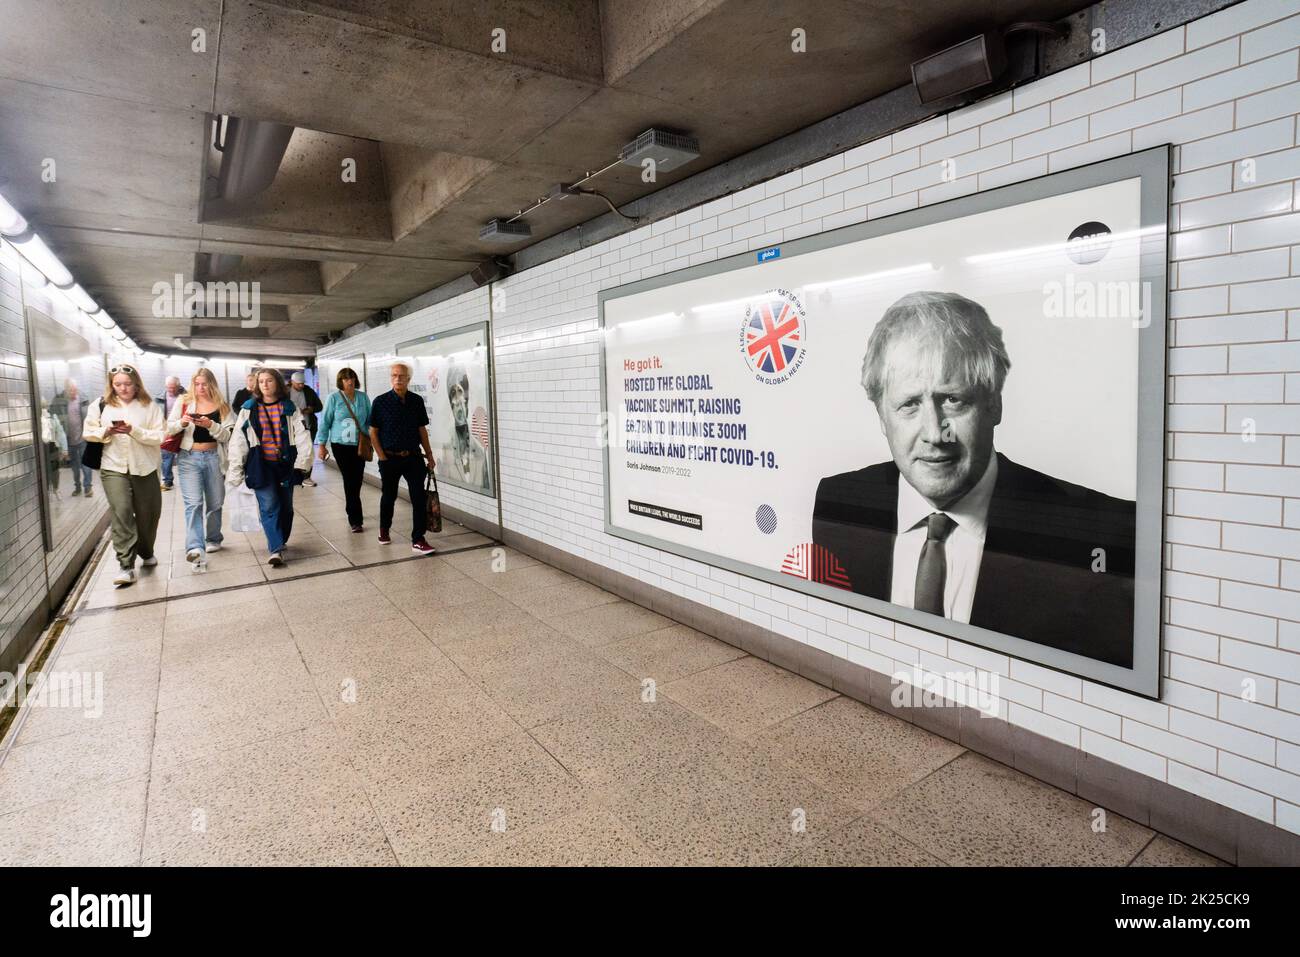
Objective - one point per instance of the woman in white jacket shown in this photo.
(131, 426)
(204, 421)
(270, 452)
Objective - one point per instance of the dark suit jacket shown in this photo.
(1035, 578)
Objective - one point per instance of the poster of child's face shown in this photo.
(451, 374)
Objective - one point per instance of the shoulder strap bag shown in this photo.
(173, 442)
(93, 454)
(365, 451)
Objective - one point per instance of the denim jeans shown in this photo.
(168, 460)
(275, 506)
(81, 474)
(204, 492)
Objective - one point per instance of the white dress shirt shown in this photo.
(964, 547)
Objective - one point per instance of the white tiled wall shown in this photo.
(22, 568)
(1225, 89)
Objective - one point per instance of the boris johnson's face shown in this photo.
(938, 426)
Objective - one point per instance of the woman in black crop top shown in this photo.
(204, 420)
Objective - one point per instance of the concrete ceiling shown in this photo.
(444, 132)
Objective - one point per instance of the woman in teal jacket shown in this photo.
(343, 426)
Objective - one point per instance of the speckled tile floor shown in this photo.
(480, 707)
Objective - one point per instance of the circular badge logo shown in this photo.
(773, 336)
(1089, 243)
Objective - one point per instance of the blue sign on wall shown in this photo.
(772, 252)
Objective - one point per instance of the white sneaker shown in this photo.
(149, 562)
(125, 576)
(196, 558)
(213, 546)
(275, 560)
(309, 483)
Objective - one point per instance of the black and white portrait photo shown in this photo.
(953, 527)
(452, 372)
(950, 419)
(464, 456)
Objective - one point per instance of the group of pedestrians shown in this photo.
(263, 440)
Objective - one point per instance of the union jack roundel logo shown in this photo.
(773, 336)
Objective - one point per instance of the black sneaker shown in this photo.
(384, 538)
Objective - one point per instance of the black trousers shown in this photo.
(391, 472)
(351, 468)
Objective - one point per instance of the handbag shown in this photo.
(365, 451)
(432, 504)
(173, 442)
(93, 454)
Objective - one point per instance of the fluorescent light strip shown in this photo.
(34, 250)
(11, 221)
(81, 299)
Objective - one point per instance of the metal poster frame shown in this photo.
(1152, 168)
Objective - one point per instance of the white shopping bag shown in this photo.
(242, 503)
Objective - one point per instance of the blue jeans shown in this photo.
(168, 459)
(203, 491)
(81, 474)
(275, 507)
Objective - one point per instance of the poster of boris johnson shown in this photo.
(951, 417)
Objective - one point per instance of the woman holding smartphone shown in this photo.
(204, 422)
(131, 426)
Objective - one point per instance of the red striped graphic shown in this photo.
(478, 425)
(814, 563)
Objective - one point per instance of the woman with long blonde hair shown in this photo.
(204, 420)
(131, 427)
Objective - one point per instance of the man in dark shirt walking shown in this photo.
(398, 431)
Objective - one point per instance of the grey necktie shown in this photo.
(931, 570)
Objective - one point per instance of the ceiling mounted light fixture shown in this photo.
(11, 221)
(666, 149)
(81, 299)
(504, 232)
(35, 251)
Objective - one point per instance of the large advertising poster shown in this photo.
(952, 417)
(452, 371)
